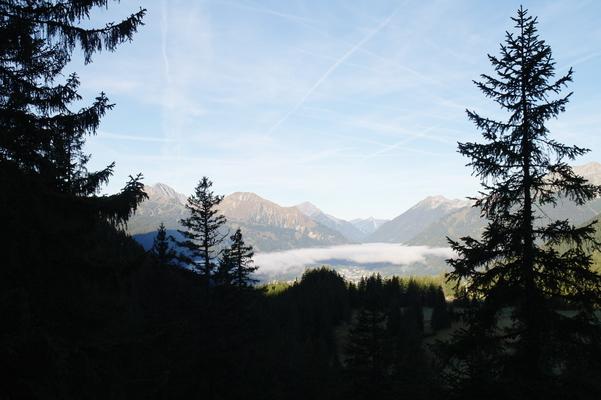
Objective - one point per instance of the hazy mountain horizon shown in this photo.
(272, 227)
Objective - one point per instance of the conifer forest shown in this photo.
(140, 292)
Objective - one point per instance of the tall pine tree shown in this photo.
(203, 234)
(517, 267)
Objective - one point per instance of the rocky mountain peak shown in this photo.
(309, 209)
(439, 201)
(591, 171)
(164, 193)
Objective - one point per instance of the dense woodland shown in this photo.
(87, 313)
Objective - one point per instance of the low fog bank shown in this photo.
(355, 260)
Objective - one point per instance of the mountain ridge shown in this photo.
(368, 225)
(345, 228)
(265, 224)
(270, 226)
(467, 221)
(408, 224)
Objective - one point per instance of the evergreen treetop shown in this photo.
(42, 135)
(236, 264)
(203, 234)
(160, 246)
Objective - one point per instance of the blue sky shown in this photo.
(355, 106)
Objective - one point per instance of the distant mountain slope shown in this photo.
(596, 254)
(269, 226)
(407, 225)
(266, 225)
(164, 205)
(467, 221)
(591, 171)
(464, 221)
(368, 225)
(345, 228)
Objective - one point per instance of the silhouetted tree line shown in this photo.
(86, 313)
(385, 357)
(347, 340)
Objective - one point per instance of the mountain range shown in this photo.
(466, 221)
(264, 224)
(347, 229)
(270, 227)
(368, 225)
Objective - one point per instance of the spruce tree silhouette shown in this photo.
(203, 234)
(41, 134)
(161, 248)
(66, 254)
(517, 266)
(236, 263)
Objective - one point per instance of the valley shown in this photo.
(290, 239)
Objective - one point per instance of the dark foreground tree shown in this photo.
(161, 246)
(42, 135)
(367, 360)
(203, 234)
(236, 264)
(66, 261)
(440, 314)
(517, 272)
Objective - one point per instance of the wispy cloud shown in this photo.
(321, 100)
(580, 60)
(164, 33)
(134, 138)
(401, 143)
(332, 68)
(265, 10)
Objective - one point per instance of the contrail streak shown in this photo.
(164, 30)
(401, 143)
(332, 68)
(304, 21)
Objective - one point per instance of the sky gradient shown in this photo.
(354, 106)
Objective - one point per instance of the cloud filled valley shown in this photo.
(353, 259)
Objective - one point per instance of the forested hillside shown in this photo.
(88, 313)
